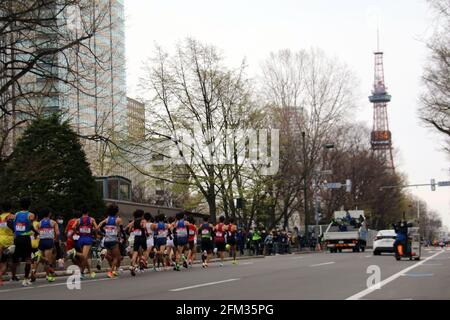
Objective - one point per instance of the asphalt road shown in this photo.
(299, 276)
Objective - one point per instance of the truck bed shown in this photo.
(346, 235)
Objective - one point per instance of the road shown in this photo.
(337, 276)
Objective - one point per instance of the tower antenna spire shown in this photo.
(378, 37)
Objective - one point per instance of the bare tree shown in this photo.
(192, 91)
(311, 93)
(435, 100)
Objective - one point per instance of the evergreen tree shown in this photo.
(49, 166)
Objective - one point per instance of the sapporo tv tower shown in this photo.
(381, 137)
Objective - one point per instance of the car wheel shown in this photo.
(340, 250)
(363, 249)
(376, 253)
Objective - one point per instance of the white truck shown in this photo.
(346, 231)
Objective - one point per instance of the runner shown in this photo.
(206, 230)
(192, 241)
(72, 240)
(170, 246)
(112, 226)
(48, 233)
(231, 239)
(137, 227)
(6, 236)
(23, 229)
(35, 253)
(150, 240)
(160, 231)
(219, 238)
(85, 226)
(181, 234)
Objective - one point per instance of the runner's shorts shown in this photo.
(220, 246)
(84, 241)
(183, 241)
(140, 242)
(150, 242)
(23, 248)
(207, 245)
(110, 244)
(46, 244)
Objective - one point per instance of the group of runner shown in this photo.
(167, 242)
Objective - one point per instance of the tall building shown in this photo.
(89, 88)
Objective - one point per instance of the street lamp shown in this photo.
(326, 146)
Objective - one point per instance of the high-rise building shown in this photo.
(85, 82)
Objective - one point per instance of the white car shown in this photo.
(384, 242)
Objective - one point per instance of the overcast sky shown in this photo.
(346, 29)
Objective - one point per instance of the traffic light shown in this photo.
(433, 185)
(348, 185)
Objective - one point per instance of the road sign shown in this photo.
(443, 184)
(333, 185)
(348, 185)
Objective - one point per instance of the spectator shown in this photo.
(240, 241)
(268, 244)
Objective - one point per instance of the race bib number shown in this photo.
(137, 232)
(219, 234)
(20, 226)
(3, 225)
(181, 232)
(110, 230)
(76, 237)
(46, 233)
(191, 232)
(205, 232)
(85, 230)
(162, 233)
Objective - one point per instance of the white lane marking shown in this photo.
(418, 275)
(369, 290)
(368, 256)
(295, 258)
(322, 264)
(246, 263)
(432, 264)
(203, 285)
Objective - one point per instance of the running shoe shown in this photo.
(26, 282)
(110, 275)
(14, 279)
(33, 276)
(50, 278)
(133, 272)
(93, 275)
(115, 273)
(235, 262)
(203, 265)
(185, 265)
(221, 264)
